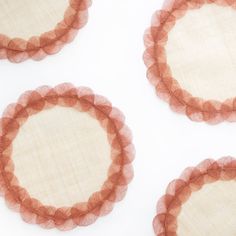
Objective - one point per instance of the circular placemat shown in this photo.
(37, 28)
(191, 58)
(201, 202)
(65, 156)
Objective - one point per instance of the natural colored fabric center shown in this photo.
(210, 211)
(201, 52)
(27, 18)
(61, 156)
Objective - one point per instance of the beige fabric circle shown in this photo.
(61, 156)
(202, 214)
(201, 202)
(66, 156)
(27, 18)
(201, 52)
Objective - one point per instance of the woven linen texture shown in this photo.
(27, 18)
(61, 156)
(53, 24)
(202, 214)
(201, 52)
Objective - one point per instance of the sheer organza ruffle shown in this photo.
(179, 191)
(119, 174)
(38, 47)
(159, 72)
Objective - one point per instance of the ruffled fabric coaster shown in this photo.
(191, 59)
(201, 202)
(65, 156)
(37, 28)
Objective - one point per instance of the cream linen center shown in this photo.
(61, 156)
(201, 52)
(27, 18)
(210, 211)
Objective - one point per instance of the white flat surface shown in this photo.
(107, 56)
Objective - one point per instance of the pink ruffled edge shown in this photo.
(159, 73)
(179, 191)
(120, 173)
(18, 50)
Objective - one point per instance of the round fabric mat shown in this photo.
(201, 202)
(65, 156)
(37, 28)
(191, 58)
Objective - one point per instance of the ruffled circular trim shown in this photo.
(120, 172)
(179, 191)
(38, 47)
(159, 72)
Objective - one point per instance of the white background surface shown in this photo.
(107, 56)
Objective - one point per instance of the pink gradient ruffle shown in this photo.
(120, 173)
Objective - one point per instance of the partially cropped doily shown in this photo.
(36, 28)
(65, 156)
(201, 202)
(191, 58)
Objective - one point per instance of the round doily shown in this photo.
(200, 202)
(65, 156)
(37, 28)
(191, 59)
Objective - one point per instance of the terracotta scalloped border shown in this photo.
(159, 73)
(38, 47)
(179, 191)
(120, 172)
